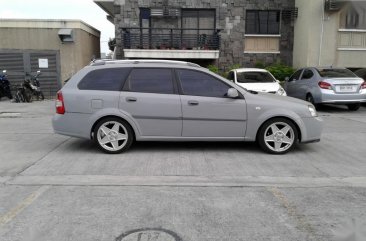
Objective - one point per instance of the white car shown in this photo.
(259, 80)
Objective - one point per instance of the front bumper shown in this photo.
(312, 129)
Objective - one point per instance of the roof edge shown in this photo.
(48, 23)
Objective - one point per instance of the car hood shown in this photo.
(261, 87)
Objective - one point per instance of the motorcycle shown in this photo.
(33, 85)
(29, 88)
(5, 86)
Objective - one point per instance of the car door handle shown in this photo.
(131, 99)
(193, 102)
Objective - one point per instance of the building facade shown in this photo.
(59, 48)
(221, 32)
(330, 33)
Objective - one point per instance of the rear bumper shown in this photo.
(330, 97)
(72, 124)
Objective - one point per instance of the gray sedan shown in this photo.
(327, 86)
(117, 102)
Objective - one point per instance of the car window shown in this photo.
(295, 76)
(336, 73)
(308, 74)
(231, 76)
(150, 80)
(201, 84)
(104, 79)
(255, 77)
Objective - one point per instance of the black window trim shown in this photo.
(278, 11)
(119, 89)
(126, 85)
(241, 96)
(302, 71)
(307, 69)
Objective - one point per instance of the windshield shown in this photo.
(336, 73)
(255, 77)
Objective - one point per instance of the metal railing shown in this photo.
(170, 38)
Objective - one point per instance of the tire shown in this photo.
(27, 96)
(310, 98)
(353, 107)
(20, 96)
(113, 135)
(277, 136)
(40, 95)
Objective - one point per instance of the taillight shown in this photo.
(363, 85)
(60, 106)
(325, 85)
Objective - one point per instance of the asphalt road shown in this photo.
(59, 188)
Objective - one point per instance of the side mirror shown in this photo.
(232, 93)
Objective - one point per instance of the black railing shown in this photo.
(170, 38)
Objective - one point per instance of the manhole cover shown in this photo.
(10, 114)
(149, 234)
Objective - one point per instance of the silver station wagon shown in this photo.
(117, 102)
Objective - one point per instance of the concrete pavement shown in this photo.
(60, 188)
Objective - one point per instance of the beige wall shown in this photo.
(310, 49)
(73, 55)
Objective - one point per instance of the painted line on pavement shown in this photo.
(6, 218)
(191, 181)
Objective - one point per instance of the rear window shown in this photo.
(104, 79)
(336, 73)
(254, 77)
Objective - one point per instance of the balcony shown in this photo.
(170, 43)
(351, 40)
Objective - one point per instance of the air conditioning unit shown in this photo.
(332, 5)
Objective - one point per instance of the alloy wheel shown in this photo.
(279, 137)
(112, 136)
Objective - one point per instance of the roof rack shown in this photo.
(140, 61)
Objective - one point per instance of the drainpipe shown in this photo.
(321, 34)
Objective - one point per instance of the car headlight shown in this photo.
(312, 111)
(281, 91)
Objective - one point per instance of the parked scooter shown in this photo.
(32, 84)
(29, 88)
(5, 86)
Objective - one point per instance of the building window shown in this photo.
(262, 22)
(354, 16)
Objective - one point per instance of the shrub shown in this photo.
(260, 64)
(280, 71)
(213, 68)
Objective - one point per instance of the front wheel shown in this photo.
(113, 135)
(353, 107)
(277, 136)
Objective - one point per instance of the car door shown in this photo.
(150, 97)
(207, 112)
(304, 84)
(292, 85)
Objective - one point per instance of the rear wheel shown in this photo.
(41, 95)
(310, 98)
(113, 135)
(277, 136)
(353, 107)
(27, 95)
